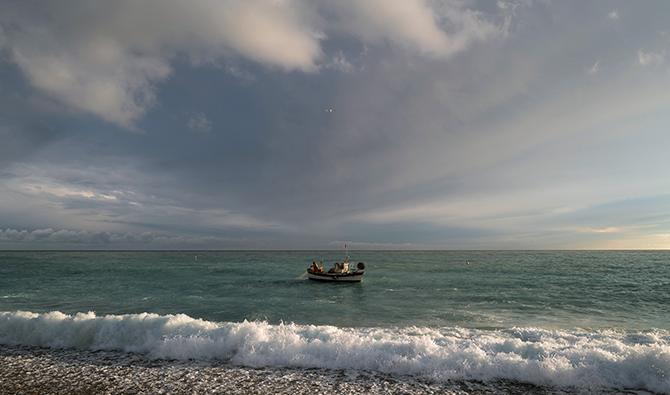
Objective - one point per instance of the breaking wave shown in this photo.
(604, 358)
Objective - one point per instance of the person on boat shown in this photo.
(314, 268)
(339, 267)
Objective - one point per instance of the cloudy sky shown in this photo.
(301, 124)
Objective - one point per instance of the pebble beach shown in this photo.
(33, 370)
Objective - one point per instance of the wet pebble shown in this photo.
(27, 370)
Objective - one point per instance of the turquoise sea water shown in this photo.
(475, 289)
(575, 319)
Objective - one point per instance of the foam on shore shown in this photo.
(591, 359)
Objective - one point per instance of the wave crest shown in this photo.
(606, 358)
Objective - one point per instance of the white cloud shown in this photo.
(48, 235)
(633, 241)
(106, 58)
(108, 201)
(199, 123)
(367, 245)
(409, 23)
(492, 211)
(613, 15)
(65, 192)
(117, 90)
(413, 24)
(595, 68)
(606, 229)
(69, 236)
(339, 62)
(31, 181)
(650, 58)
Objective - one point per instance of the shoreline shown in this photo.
(70, 371)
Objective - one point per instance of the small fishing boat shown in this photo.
(339, 272)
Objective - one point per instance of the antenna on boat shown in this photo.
(346, 253)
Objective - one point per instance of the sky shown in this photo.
(296, 124)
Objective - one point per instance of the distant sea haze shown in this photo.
(570, 318)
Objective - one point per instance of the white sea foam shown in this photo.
(546, 357)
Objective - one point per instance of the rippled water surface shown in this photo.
(472, 289)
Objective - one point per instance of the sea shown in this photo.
(580, 320)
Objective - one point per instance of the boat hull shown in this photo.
(336, 277)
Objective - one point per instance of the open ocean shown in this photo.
(570, 320)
